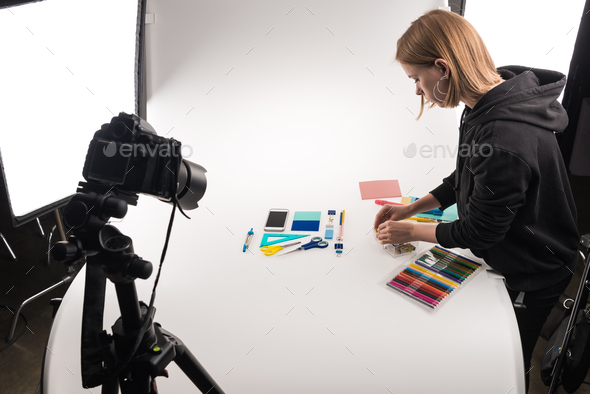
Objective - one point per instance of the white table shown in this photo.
(296, 122)
(307, 322)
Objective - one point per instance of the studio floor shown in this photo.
(20, 363)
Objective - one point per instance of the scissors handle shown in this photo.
(316, 242)
(270, 250)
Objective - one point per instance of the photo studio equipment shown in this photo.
(33, 126)
(127, 157)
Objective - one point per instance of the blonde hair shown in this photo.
(440, 34)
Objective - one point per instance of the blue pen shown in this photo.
(248, 239)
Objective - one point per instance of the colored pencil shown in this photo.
(438, 249)
(437, 272)
(417, 291)
(413, 294)
(428, 281)
(418, 284)
(456, 267)
(440, 267)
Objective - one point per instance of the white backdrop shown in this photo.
(285, 91)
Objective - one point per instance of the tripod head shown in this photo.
(87, 214)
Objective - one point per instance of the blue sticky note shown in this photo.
(305, 225)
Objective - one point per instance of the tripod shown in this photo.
(138, 350)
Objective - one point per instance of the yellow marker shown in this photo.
(425, 220)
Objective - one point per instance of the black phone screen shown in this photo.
(276, 219)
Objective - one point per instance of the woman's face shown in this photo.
(426, 78)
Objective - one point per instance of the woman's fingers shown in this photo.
(392, 232)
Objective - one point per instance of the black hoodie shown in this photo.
(515, 205)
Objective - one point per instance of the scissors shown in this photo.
(270, 250)
(316, 242)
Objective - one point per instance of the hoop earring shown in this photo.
(437, 88)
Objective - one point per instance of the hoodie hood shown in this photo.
(527, 95)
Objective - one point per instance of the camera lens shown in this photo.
(192, 184)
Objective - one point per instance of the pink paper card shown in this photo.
(380, 189)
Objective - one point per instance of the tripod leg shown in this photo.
(191, 367)
(111, 387)
(196, 373)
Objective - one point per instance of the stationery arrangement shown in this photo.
(302, 221)
(434, 276)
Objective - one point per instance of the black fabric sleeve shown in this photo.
(445, 192)
(500, 184)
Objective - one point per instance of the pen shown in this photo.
(338, 245)
(383, 202)
(248, 239)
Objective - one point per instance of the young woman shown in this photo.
(515, 205)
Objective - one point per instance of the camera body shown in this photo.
(127, 154)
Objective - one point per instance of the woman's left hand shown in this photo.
(392, 232)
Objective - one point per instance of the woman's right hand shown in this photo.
(392, 212)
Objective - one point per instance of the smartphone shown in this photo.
(277, 219)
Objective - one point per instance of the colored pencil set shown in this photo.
(434, 276)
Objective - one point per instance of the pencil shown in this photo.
(430, 282)
(414, 294)
(441, 267)
(421, 285)
(439, 277)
